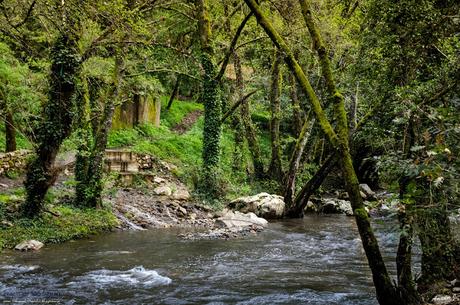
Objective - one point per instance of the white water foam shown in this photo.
(19, 268)
(138, 277)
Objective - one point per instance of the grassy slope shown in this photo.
(185, 150)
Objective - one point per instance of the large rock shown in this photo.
(239, 220)
(336, 206)
(366, 192)
(263, 205)
(29, 245)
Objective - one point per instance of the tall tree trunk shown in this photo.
(290, 179)
(406, 282)
(136, 106)
(249, 130)
(56, 124)
(237, 123)
(386, 292)
(10, 132)
(275, 169)
(90, 184)
(173, 93)
(212, 105)
(296, 109)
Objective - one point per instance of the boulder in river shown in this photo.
(263, 205)
(237, 219)
(29, 245)
(336, 206)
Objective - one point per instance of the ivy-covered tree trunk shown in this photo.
(89, 185)
(386, 292)
(10, 132)
(56, 124)
(275, 168)
(212, 105)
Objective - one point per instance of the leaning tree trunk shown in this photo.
(275, 169)
(56, 123)
(386, 292)
(290, 179)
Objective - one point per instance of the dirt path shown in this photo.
(187, 122)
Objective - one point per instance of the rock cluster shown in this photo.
(145, 162)
(29, 245)
(15, 160)
(230, 224)
(263, 205)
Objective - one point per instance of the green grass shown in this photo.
(178, 110)
(72, 222)
(185, 150)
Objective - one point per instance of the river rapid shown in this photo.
(316, 260)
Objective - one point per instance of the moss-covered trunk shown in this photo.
(294, 164)
(297, 116)
(386, 292)
(250, 132)
(275, 170)
(237, 121)
(56, 124)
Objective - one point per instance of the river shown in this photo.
(317, 260)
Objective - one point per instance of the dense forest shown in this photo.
(304, 99)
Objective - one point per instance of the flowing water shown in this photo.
(316, 260)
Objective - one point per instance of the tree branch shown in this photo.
(236, 105)
(232, 47)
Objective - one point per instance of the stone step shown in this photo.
(120, 155)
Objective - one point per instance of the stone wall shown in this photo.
(14, 161)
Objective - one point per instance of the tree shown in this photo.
(386, 292)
